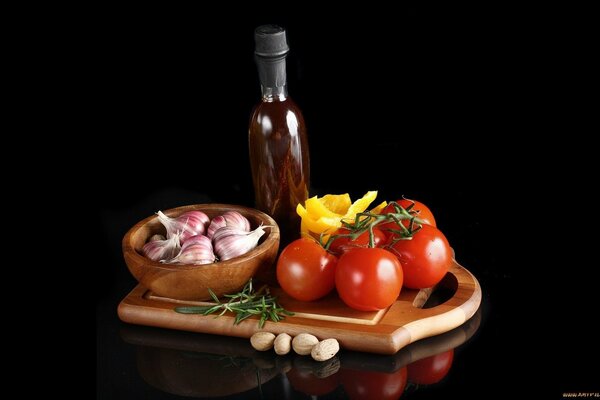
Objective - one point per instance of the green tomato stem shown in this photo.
(366, 221)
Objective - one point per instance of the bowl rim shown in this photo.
(273, 235)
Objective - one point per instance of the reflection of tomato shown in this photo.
(305, 270)
(343, 244)
(431, 369)
(425, 258)
(306, 382)
(423, 213)
(371, 385)
(368, 279)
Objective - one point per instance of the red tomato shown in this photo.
(371, 385)
(305, 270)
(343, 244)
(306, 382)
(431, 369)
(368, 279)
(425, 258)
(424, 213)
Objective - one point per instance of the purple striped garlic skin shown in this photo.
(237, 220)
(196, 250)
(162, 250)
(188, 224)
(232, 242)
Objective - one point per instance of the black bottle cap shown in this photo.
(270, 41)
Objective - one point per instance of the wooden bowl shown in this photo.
(191, 282)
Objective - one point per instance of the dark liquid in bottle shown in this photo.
(280, 163)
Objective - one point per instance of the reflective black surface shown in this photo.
(199, 365)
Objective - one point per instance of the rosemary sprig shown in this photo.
(243, 304)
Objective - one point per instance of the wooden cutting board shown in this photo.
(384, 332)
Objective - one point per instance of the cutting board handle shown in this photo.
(452, 313)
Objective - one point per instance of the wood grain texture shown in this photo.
(383, 332)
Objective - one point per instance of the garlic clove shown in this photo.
(231, 242)
(237, 220)
(194, 254)
(197, 239)
(215, 224)
(160, 250)
(232, 219)
(196, 220)
(227, 231)
(190, 223)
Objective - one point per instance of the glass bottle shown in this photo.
(277, 138)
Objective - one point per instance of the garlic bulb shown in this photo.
(232, 219)
(195, 250)
(161, 249)
(196, 239)
(233, 242)
(189, 224)
(215, 224)
(237, 220)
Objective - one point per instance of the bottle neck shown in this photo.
(271, 72)
(270, 94)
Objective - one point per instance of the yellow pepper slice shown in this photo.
(338, 203)
(360, 205)
(318, 224)
(316, 209)
(324, 215)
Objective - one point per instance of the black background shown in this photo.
(430, 103)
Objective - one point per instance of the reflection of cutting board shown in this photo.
(385, 331)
